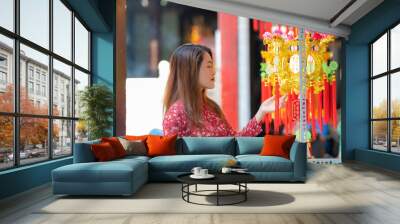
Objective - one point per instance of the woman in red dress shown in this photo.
(189, 111)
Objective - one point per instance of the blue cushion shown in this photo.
(83, 153)
(133, 157)
(206, 145)
(111, 171)
(249, 145)
(257, 163)
(185, 163)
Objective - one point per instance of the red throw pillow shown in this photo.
(103, 151)
(161, 145)
(277, 145)
(116, 145)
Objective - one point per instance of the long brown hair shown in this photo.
(183, 82)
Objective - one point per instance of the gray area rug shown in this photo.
(166, 198)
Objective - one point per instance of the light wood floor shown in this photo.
(354, 182)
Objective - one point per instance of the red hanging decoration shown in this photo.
(289, 113)
(266, 93)
(312, 108)
(261, 29)
(255, 25)
(319, 116)
(277, 115)
(308, 105)
(326, 102)
(333, 97)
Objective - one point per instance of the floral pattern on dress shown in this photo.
(177, 122)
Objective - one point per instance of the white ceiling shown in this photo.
(318, 15)
(321, 9)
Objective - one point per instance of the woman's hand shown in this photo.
(268, 106)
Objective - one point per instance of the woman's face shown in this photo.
(207, 72)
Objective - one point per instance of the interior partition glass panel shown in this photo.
(62, 29)
(33, 140)
(6, 142)
(34, 21)
(379, 135)
(379, 98)
(395, 47)
(379, 56)
(6, 74)
(81, 45)
(7, 14)
(81, 81)
(62, 89)
(34, 78)
(62, 138)
(395, 135)
(395, 95)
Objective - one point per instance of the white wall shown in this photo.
(144, 106)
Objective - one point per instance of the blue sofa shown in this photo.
(125, 176)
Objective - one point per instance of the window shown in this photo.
(54, 126)
(81, 81)
(3, 61)
(62, 140)
(38, 89)
(43, 90)
(3, 72)
(30, 72)
(385, 97)
(81, 45)
(62, 74)
(35, 22)
(6, 73)
(6, 142)
(62, 29)
(37, 74)
(7, 14)
(3, 78)
(30, 87)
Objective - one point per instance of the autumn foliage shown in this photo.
(380, 127)
(33, 131)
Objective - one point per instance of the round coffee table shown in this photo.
(238, 179)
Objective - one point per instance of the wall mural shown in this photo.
(280, 75)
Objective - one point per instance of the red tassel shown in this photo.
(308, 105)
(334, 111)
(261, 29)
(267, 118)
(289, 113)
(255, 25)
(326, 102)
(277, 115)
(313, 117)
(320, 111)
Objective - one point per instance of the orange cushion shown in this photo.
(116, 145)
(161, 145)
(134, 138)
(103, 151)
(277, 145)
